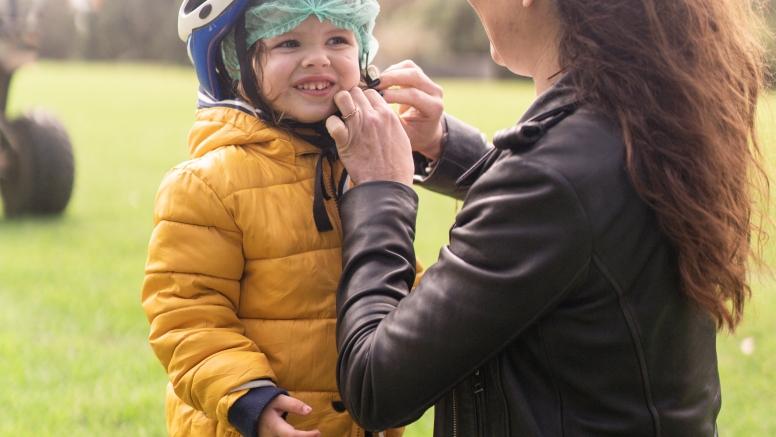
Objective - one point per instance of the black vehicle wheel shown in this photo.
(40, 179)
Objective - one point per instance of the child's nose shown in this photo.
(317, 57)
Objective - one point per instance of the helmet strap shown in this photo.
(226, 84)
(247, 74)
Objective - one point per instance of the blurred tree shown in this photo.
(136, 29)
(444, 33)
(112, 29)
(458, 24)
(443, 36)
(58, 34)
(447, 27)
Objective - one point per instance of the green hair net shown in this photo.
(270, 18)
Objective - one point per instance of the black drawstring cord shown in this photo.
(328, 147)
(320, 215)
(343, 180)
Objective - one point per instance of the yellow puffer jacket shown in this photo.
(240, 285)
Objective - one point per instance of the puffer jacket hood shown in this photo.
(218, 127)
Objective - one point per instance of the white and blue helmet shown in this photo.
(203, 25)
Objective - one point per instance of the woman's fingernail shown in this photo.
(307, 409)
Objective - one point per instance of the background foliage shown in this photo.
(443, 36)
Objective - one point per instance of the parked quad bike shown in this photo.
(36, 157)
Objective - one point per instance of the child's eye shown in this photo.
(338, 40)
(289, 43)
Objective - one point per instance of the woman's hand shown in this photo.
(272, 424)
(420, 105)
(370, 138)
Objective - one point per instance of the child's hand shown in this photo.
(420, 105)
(272, 424)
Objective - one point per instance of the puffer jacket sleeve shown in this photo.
(191, 295)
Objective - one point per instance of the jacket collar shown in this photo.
(223, 126)
(559, 94)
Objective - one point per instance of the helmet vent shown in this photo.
(193, 4)
(205, 12)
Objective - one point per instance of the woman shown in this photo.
(601, 245)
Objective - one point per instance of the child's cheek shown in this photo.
(353, 75)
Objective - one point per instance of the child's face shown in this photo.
(304, 68)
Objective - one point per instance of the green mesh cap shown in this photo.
(270, 18)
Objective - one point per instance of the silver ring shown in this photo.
(345, 117)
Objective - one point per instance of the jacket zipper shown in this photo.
(330, 183)
(479, 394)
(455, 414)
(498, 394)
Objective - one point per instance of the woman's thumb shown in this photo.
(337, 130)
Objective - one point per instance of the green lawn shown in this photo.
(74, 359)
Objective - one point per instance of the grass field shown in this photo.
(74, 360)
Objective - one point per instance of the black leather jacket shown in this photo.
(554, 311)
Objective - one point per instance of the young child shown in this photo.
(245, 258)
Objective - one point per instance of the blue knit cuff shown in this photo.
(244, 413)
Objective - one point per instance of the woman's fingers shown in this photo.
(407, 63)
(335, 125)
(409, 76)
(420, 105)
(372, 142)
(410, 97)
(363, 103)
(344, 102)
(375, 100)
(337, 129)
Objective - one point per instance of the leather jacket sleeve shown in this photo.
(520, 243)
(462, 147)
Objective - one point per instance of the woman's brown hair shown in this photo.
(682, 78)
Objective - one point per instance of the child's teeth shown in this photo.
(314, 86)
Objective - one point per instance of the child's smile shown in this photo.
(317, 85)
(304, 68)
(313, 86)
